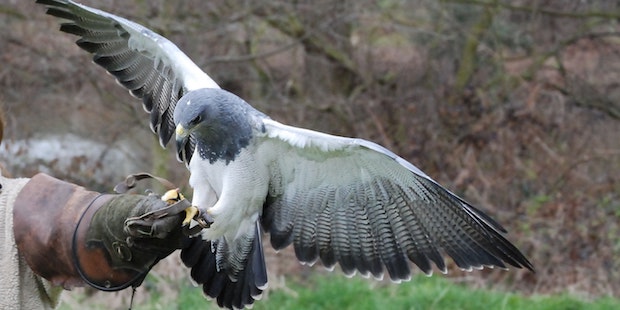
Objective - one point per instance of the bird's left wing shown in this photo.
(148, 65)
(355, 203)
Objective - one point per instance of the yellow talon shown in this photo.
(190, 213)
(172, 196)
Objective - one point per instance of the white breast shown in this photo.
(232, 193)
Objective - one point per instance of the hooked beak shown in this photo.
(182, 136)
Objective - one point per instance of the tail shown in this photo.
(218, 282)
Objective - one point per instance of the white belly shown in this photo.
(233, 194)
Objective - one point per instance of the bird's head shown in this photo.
(218, 121)
(198, 113)
(190, 114)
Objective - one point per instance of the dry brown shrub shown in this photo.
(532, 138)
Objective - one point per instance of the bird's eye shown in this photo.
(195, 120)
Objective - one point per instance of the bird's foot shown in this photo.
(174, 195)
(202, 221)
(193, 213)
(190, 213)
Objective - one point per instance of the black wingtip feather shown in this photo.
(306, 254)
(478, 213)
(86, 45)
(60, 13)
(281, 239)
(510, 254)
(398, 268)
(74, 29)
(49, 2)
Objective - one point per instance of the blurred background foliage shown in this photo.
(514, 105)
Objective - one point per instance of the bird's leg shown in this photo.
(206, 220)
(193, 213)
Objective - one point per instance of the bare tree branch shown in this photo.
(468, 60)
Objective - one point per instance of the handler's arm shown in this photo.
(72, 236)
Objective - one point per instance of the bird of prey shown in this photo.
(337, 200)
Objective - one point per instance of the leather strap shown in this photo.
(132, 179)
(93, 263)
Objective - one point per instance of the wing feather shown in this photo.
(324, 234)
(382, 214)
(151, 67)
(305, 231)
(369, 239)
(364, 249)
(340, 240)
(354, 203)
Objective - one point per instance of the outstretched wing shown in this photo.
(355, 203)
(147, 64)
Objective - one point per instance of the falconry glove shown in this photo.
(72, 236)
(134, 241)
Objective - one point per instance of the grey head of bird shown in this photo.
(220, 123)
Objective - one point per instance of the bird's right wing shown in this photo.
(147, 64)
(354, 203)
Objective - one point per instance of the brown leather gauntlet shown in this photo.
(72, 236)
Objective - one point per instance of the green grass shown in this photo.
(338, 292)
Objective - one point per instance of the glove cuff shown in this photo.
(110, 265)
(46, 215)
